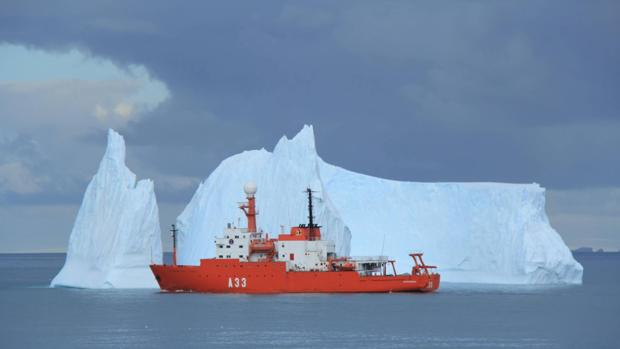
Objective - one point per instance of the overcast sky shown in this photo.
(506, 91)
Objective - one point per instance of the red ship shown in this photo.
(248, 261)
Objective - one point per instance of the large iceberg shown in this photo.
(475, 232)
(281, 177)
(116, 234)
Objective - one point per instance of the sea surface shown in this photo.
(458, 316)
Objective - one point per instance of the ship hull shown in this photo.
(233, 276)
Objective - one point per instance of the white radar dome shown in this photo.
(250, 188)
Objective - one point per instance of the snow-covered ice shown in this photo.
(116, 234)
(281, 176)
(475, 232)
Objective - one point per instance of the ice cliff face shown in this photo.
(116, 234)
(476, 232)
(281, 178)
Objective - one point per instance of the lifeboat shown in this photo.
(342, 264)
(347, 266)
(265, 247)
(262, 246)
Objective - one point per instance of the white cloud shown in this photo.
(124, 110)
(63, 90)
(65, 108)
(52, 104)
(100, 113)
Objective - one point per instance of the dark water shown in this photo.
(459, 316)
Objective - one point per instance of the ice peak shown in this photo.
(116, 234)
(116, 147)
(302, 142)
(306, 134)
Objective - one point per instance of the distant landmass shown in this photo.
(592, 250)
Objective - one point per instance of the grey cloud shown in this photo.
(436, 86)
(586, 217)
(43, 157)
(586, 201)
(518, 91)
(427, 83)
(21, 233)
(29, 176)
(19, 157)
(67, 107)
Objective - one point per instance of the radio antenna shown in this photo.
(383, 244)
(310, 215)
(174, 232)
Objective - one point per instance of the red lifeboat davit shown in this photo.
(342, 264)
(347, 266)
(264, 246)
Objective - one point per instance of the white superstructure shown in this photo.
(302, 249)
(235, 243)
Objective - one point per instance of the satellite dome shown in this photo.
(250, 188)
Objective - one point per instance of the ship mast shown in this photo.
(310, 215)
(311, 224)
(249, 207)
(174, 232)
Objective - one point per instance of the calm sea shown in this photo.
(459, 316)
